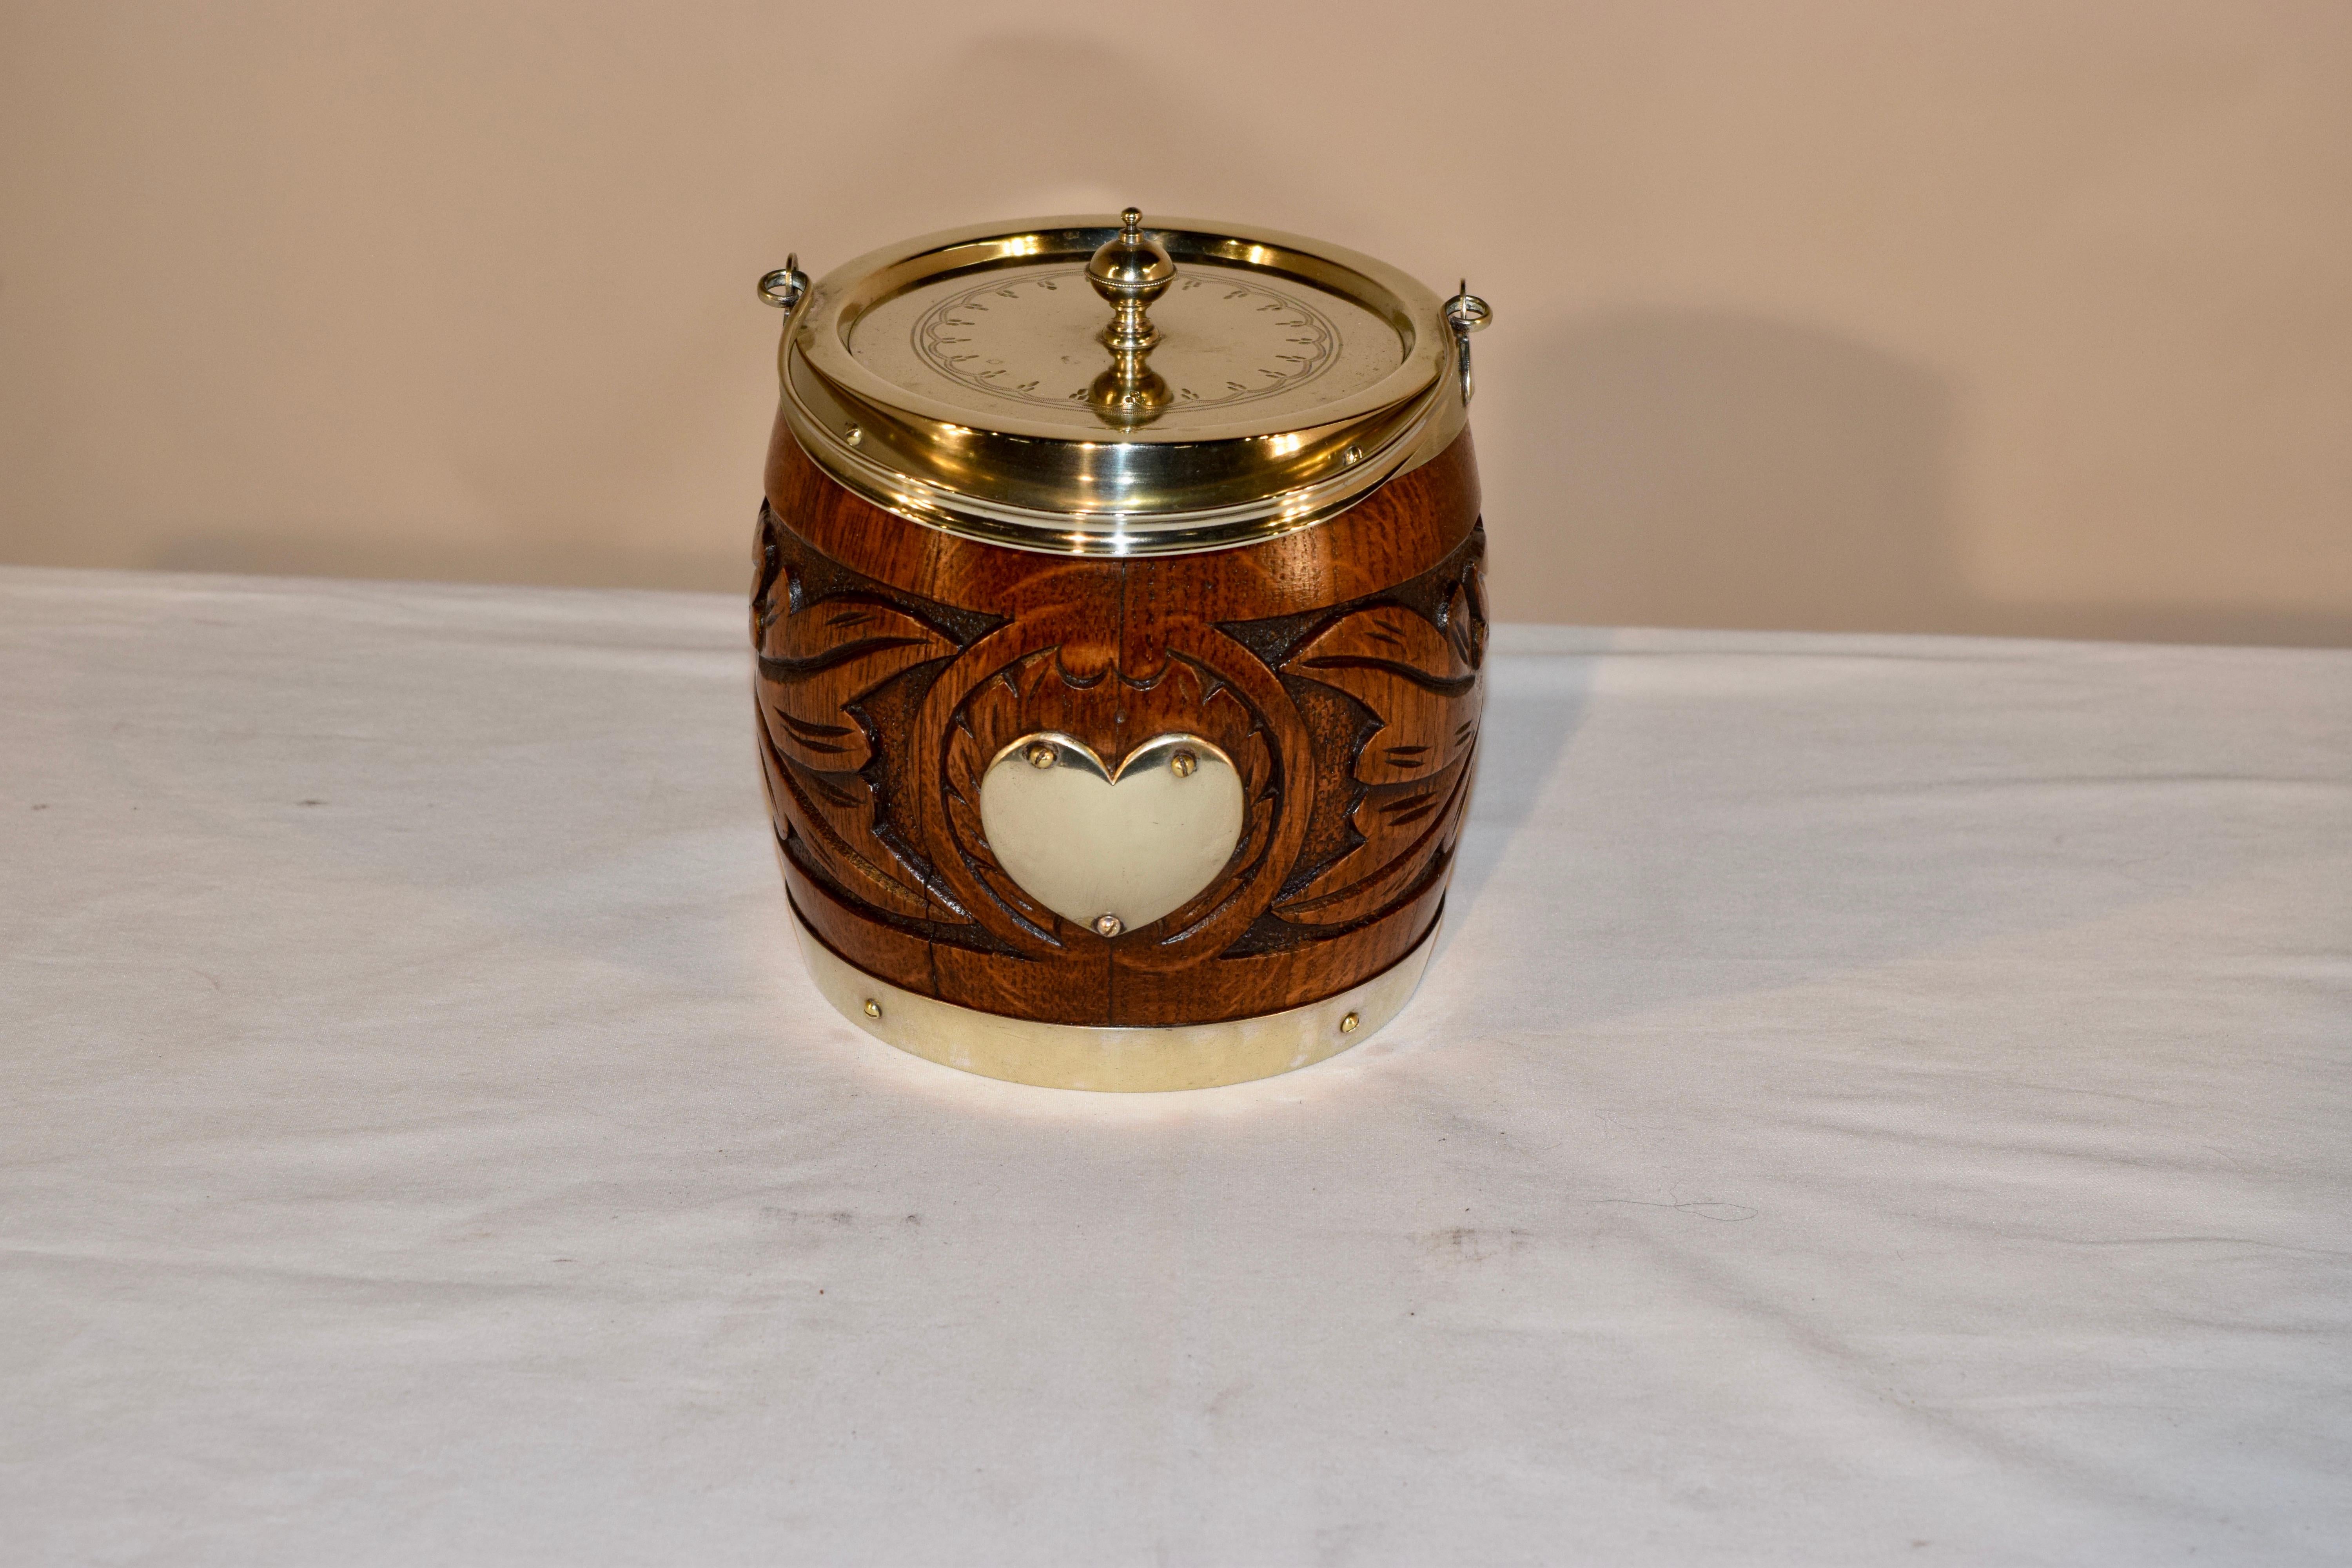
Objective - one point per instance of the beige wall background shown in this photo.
(1983, 317)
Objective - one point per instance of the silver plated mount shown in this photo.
(1112, 850)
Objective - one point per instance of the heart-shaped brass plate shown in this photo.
(1111, 851)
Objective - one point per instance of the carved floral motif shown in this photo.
(1354, 730)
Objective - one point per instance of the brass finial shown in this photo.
(1130, 271)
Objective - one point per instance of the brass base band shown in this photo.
(1076, 1056)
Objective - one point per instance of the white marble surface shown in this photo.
(1879, 1101)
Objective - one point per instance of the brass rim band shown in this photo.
(1410, 437)
(1074, 1056)
(1027, 484)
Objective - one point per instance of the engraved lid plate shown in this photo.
(1088, 386)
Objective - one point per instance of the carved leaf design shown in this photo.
(816, 663)
(1419, 682)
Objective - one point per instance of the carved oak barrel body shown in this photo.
(1115, 737)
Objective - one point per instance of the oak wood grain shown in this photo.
(1338, 667)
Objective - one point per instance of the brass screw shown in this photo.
(1040, 755)
(1107, 926)
(1181, 764)
(1347, 1025)
(853, 435)
(1355, 455)
(873, 1008)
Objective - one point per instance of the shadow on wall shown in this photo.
(1712, 470)
(1662, 468)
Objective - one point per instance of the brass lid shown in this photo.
(1088, 386)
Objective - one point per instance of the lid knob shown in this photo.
(1130, 271)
